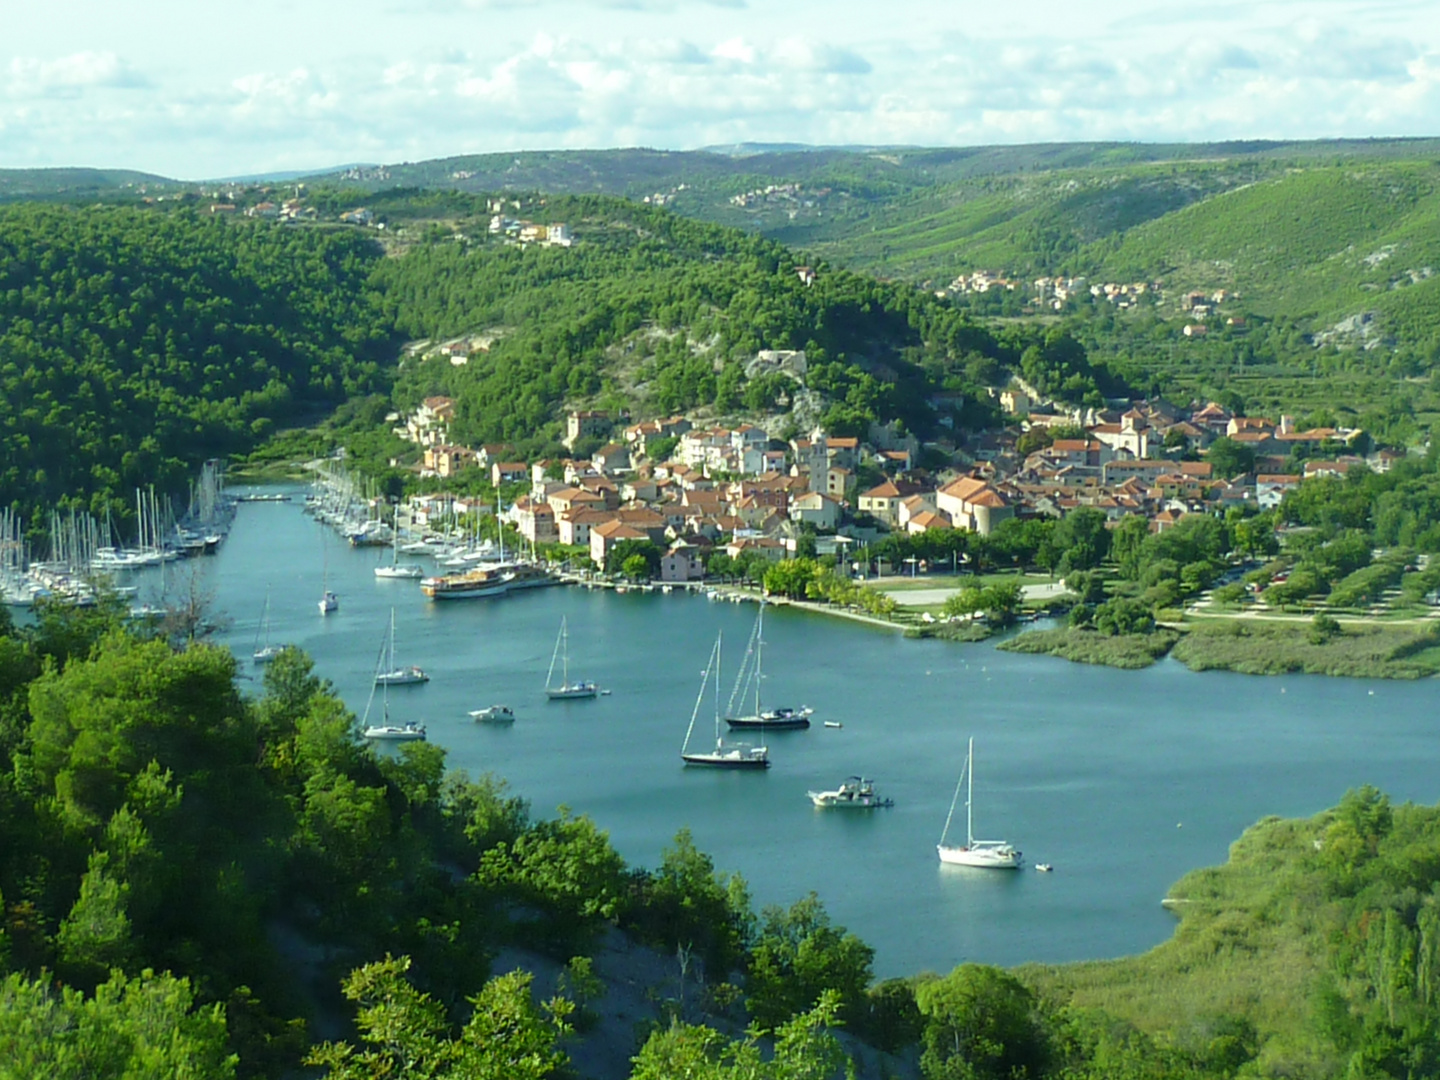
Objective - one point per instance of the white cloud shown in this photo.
(68, 75)
(606, 78)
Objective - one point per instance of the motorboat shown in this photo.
(987, 854)
(494, 714)
(854, 793)
(409, 732)
(329, 602)
(474, 584)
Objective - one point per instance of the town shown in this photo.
(695, 489)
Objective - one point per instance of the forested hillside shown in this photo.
(655, 312)
(190, 876)
(135, 343)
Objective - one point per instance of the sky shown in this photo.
(199, 91)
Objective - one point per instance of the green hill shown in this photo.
(76, 183)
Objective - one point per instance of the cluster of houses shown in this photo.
(1052, 291)
(769, 193)
(520, 231)
(691, 489)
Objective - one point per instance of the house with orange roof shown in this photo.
(573, 526)
(973, 503)
(816, 509)
(882, 501)
(606, 535)
(682, 562)
(927, 520)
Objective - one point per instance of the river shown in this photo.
(1122, 780)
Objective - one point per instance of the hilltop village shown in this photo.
(693, 488)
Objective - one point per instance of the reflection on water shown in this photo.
(1084, 767)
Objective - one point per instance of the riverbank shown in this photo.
(1252, 647)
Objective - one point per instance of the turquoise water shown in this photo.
(1123, 780)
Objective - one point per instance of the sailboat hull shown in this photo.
(726, 759)
(988, 858)
(572, 693)
(760, 723)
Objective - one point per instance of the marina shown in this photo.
(1070, 752)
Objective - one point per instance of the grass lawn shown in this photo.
(955, 581)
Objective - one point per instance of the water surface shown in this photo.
(1123, 780)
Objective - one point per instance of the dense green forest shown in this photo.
(660, 313)
(197, 879)
(138, 342)
(135, 343)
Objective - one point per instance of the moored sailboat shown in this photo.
(395, 568)
(566, 691)
(988, 854)
(263, 654)
(749, 675)
(394, 674)
(732, 756)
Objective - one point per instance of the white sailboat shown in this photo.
(386, 730)
(734, 756)
(394, 674)
(990, 854)
(263, 654)
(752, 675)
(328, 600)
(397, 569)
(566, 691)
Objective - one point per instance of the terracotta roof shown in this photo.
(887, 490)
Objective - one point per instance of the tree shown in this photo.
(406, 1032)
(148, 1026)
(636, 567)
(686, 904)
(619, 556)
(798, 955)
(1229, 458)
(1082, 540)
(1123, 616)
(804, 1050)
(981, 1024)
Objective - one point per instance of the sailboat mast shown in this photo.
(565, 650)
(392, 639)
(718, 638)
(970, 795)
(759, 653)
(550, 675)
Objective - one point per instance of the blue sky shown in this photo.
(196, 91)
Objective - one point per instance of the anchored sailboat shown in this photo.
(566, 691)
(751, 674)
(395, 675)
(722, 757)
(263, 654)
(991, 854)
(328, 600)
(386, 731)
(397, 569)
